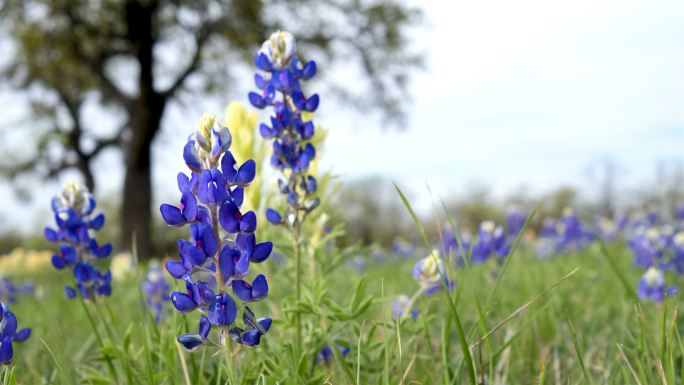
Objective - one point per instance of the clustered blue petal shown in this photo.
(211, 264)
(279, 88)
(9, 334)
(78, 250)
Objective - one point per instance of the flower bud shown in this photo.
(279, 48)
(428, 271)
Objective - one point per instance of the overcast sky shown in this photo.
(524, 93)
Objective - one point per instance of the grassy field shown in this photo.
(569, 319)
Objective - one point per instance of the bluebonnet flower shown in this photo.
(9, 334)
(678, 252)
(572, 234)
(679, 211)
(212, 264)
(291, 131)
(652, 286)
(647, 246)
(402, 248)
(10, 291)
(326, 354)
(156, 290)
(491, 240)
(429, 273)
(400, 304)
(515, 221)
(606, 229)
(78, 250)
(451, 245)
(565, 234)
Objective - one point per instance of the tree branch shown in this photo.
(200, 41)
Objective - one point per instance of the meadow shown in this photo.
(262, 291)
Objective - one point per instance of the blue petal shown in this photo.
(172, 215)
(248, 223)
(242, 265)
(70, 292)
(51, 235)
(6, 351)
(190, 156)
(22, 335)
(229, 216)
(259, 288)
(190, 341)
(182, 302)
(58, 262)
(242, 290)
(97, 222)
(256, 100)
(246, 173)
(8, 327)
(204, 327)
(261, 252)
(251, 338)
(273, 216)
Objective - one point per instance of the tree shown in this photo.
(134, 58)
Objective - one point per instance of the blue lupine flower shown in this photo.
(652, 286)
(9, 334)
(429, 273)
(647, 247)
(606, 229)
(326, 354)
(515, 220)
(78, 250)
(280, 88)
(399, 306)
(156, 291)
(491, 240)
(451, 245)
(211, 264)
(678, 252)
(402, 249)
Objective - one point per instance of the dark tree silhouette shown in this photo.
(135, 57)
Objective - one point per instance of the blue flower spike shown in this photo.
(215, 258)
(279, 88)
(78, 250)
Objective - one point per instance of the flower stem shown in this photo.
(412, 301)
(298, 285)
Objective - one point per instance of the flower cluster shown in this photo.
(567, 233)
(210, 264)
(492, 240)
(652, 286)
(156, 290)
(78, 250)
(9, 334)
(291, 132)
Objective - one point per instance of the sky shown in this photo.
(514, 94)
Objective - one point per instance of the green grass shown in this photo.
(585, 329)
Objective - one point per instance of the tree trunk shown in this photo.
(145, 118)
(136, 216)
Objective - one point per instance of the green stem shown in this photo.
(110, 364)
(298, 286)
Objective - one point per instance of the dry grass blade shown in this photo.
(623, 357)
(522, 308)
